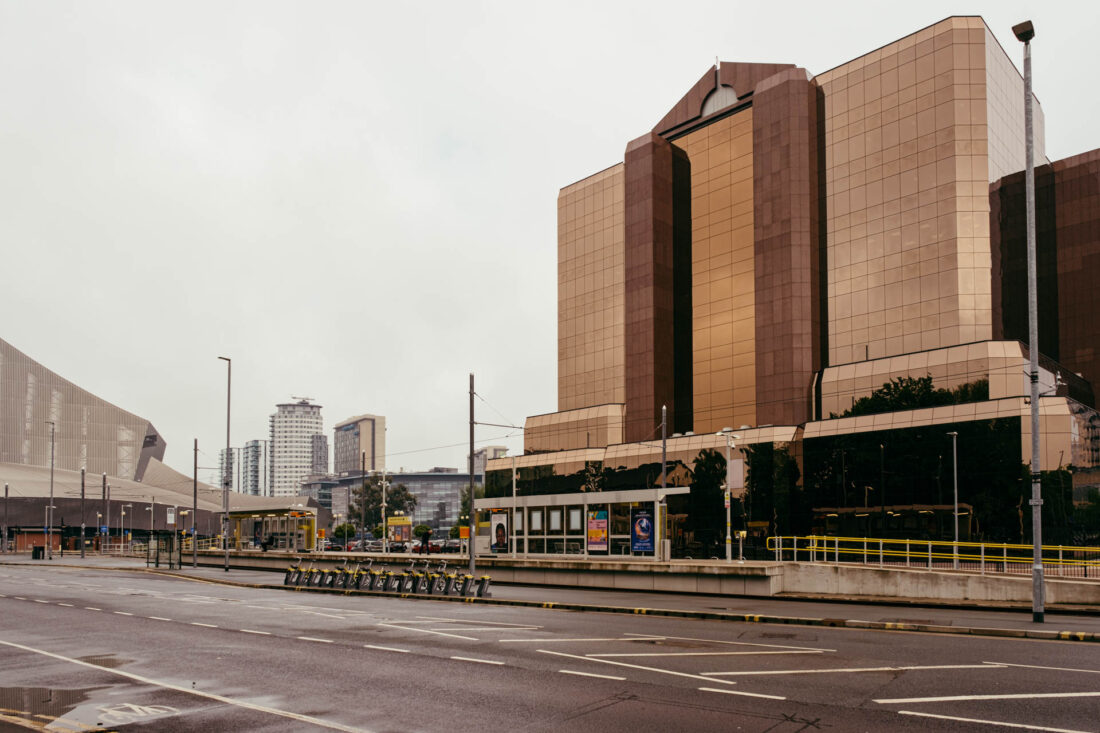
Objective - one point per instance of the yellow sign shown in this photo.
(400, 529)
(464, 532)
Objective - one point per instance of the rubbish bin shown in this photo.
(38, 553)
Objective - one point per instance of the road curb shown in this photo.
(1037, 634)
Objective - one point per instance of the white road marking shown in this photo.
(706, 654)
(311, 638)
(488, 623)
(991, 722)
(67, 605)
(736, 643)
(262, 608)
(745, 694)
(3, 595)
(251, 631)
(1020, 696)
(160, 618)
(209, 626)
(188, 691)
(122, 613)
(429, 631)
(551, 641)
(634, 666)
(20, 598)
(89, 608)
(385, 648)
(480, 661)
(843, 670)
(487, 628)
(38, 601)
(1056, 669)
(592, 674)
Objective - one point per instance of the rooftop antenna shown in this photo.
(301, 399)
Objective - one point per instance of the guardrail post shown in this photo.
(779, 548)
(836, 545)
(929, 555)
(1004, 568)
(880, 553)
(794, 541)
(907, 553)
(983, 558)
(864, 550)
(1060, 566)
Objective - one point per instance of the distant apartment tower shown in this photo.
(486, 454)
(256, 468)
(354, 437)
(292, 429)
(318, 453)
(229, 469)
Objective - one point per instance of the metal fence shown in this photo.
(984, 557)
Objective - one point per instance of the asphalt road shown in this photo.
(94, 648)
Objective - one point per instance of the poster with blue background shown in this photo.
(641, 529)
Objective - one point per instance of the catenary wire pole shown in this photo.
(227, 475)
(82, 523)
(473, 513)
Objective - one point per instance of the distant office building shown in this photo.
(355, 438)
(292, 449)
(486, 454)
(89, 432)
(438, 493)
(319, 453)
(256, 468)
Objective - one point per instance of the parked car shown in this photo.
(333, 548)
(374, 545)
(452, 546)
(433, 546)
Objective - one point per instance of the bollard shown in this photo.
(483, 587)
(464, 586)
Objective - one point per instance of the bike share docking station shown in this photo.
(408, 581)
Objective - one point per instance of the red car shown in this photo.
(433, 546)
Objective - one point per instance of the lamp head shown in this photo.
(1024, 31)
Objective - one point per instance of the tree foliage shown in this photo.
(343, 531)
(911, 393)
(398, 498)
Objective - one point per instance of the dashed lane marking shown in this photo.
(19, 598)
(591, 674)
(253, 631)
(122, 613)
(846, 670)
(67, 605)
(311, 638)
(92, 608)
(991, 722)
(188, 691)
(385, 648)
(744, 694)
(159, 618)
(209, 626)
(479, 661)
(40, 601)
(635, 666)
(958, 698)
(487, 628)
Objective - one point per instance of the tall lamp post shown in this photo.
(729, 435)
(226, 476)
(123, 523)
(1024, 32)
(49, 511)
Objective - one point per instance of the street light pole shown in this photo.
(385, 521)
(49, 512)
(727, 433)
(226, 476)
(1024, 33)
(955, 471)
(473, 512)
(82, 523)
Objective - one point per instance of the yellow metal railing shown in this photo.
(936, 554)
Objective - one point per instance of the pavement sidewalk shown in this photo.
(875, 613)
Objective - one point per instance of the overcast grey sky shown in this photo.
(356, 202)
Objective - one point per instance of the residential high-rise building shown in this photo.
(355, 438)
(229, 469)
(483, 455)
(255, 468)
(292, 429)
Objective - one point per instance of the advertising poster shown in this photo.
(498, 527)
(641, 529)
(597, 530)
(400, 529)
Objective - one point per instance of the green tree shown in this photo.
(398, 499)
(910, 393)
(343, 531)
(420, 530)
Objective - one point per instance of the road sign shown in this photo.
(103, 529)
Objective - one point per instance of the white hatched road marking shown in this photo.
(385, 648)
(707, 654)
(251, 631)
(735, 643)
(991, 722)
(1019, 696)
(188, 691)
(745, 694)
(852, 669)
(479, 661)
(591, 674)
(634, 666)
(1056, 669)
(429, 631)
(312, 638)
(504, 626)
